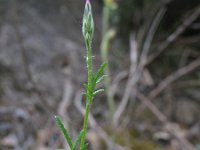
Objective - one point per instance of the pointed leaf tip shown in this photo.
(98, 91)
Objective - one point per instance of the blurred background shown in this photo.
(152, 95)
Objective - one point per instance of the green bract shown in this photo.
(88, 23)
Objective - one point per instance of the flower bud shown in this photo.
(88, 23)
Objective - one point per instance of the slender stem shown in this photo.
(89, 96)
(89, 62)
(107, 82)
(104, 56)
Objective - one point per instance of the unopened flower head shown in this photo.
(88, 23)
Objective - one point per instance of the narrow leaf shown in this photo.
(64, 131)
(101, 78)
(100, 71)
(78, 140)
(84, 147)
(98, 91)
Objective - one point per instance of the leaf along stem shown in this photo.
(89, 95)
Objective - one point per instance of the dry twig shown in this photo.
(135, 68)
(132, 80)
(169, 79)
(173, 77)
(150, 35)
(179, 30)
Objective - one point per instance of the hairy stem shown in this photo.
(89, 97)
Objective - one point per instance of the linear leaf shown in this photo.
(101, 78)
(98, 91)
(84, 147)
(64, 131)
(78, 140)
(100, 71)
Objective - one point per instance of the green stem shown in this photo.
(104, 56)
(89, 96)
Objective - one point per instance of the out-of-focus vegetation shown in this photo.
(153, 57)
